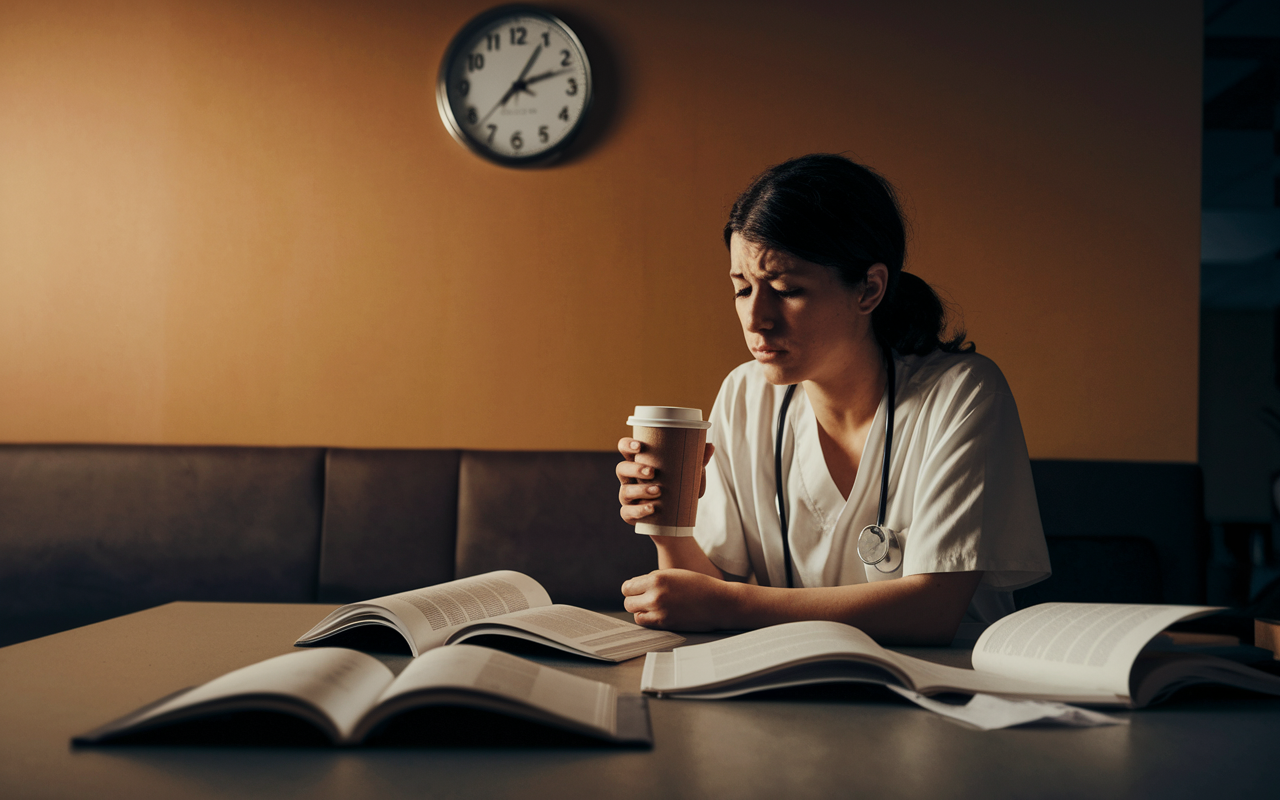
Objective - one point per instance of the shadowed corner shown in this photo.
(454, 727)
(450, 727)
(236, 729)
(369, 638)
(608, 94)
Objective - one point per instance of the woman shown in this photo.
(816, 249)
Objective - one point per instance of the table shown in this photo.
(820, 742)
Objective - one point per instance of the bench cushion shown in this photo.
(1098, 569)
(553, 516)
(390, 520)
(89, 532)
(1104, 508)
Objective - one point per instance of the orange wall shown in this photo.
(243, 222)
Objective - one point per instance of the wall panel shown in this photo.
(242, 222)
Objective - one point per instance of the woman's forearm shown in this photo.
(914, 610)
(683, 552)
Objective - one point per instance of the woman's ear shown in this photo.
(873, 287)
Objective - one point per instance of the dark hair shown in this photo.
(828, 210)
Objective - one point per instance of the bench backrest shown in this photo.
(88, 532)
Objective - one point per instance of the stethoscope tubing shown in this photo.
(884, 467)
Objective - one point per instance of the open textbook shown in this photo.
(503, 603)
(1086, 653)
(350, 697)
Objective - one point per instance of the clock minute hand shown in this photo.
(515, 87)
(528, 66)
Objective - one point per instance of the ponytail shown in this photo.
(912, 320)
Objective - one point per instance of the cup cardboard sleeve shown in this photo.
(678, 456)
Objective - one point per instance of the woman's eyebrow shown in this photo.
(764, 274)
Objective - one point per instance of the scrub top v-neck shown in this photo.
(960, 489)
(821, 510)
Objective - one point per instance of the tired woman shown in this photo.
(864, 466)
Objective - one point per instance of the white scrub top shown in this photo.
(961, 496)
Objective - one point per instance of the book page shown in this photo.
(428, 616)
(580, 630)
(1087, 646)
(587, 703)
(746, 654)
(797, 653)
(341, 684)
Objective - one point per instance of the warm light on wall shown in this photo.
(243, 222)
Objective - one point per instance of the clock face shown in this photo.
(514, 86)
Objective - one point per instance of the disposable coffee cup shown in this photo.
(673, 440)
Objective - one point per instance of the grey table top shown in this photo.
(822, 742)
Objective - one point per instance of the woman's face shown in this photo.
(798, 319)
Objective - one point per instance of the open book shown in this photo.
(349, 697)
(1087, 653)
(501, 603)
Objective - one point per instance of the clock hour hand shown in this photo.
(544, 75)
(518, 86)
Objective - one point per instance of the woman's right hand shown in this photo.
(639, 495)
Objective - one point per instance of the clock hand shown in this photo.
(515, 87)
(529, 65)
(544, 75)
(498, 105)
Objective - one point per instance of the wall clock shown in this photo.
(515, 86)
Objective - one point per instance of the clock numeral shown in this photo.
(464, 87)
(492, 41)
(564, 114)
(573, 88)
(517, 35)
(543, 136)
(492, 130)
(565, 59)
(475, 62)
(516, 141)
(546, 40)
(472, 116)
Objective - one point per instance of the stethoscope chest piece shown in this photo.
(879, 547)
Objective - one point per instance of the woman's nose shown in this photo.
(760, 313)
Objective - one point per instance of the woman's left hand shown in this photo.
(680, 599)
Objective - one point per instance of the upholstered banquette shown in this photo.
(88, 532)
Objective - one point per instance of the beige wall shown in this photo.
(243, 222)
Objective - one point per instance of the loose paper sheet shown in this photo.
(989, 712)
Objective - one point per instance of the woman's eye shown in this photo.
(743, 292)
(786, 292)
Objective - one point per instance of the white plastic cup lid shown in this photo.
(668, 417)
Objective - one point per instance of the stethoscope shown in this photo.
(878, 546)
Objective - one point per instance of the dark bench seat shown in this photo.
(88, 532)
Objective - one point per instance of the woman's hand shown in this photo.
(680, 599)
(638, 494)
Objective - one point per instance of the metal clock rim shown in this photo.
(451, 123)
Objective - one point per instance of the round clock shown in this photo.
(514, 86)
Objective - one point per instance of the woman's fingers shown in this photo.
(638, 492)
(637, 600)
(630, 472)
(634, 494)
(631, 514)
(637, 585)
